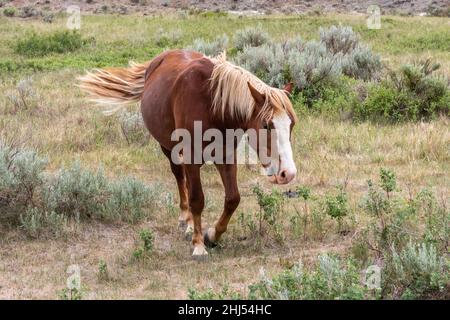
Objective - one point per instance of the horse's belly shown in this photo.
(157, 116)
(162, 102)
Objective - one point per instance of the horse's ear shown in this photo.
(260, 99)
(288, 87)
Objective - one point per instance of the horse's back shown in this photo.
(176, 83)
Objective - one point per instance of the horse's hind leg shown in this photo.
(228, 174)
(185, 222)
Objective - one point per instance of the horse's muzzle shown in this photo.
(284, 177)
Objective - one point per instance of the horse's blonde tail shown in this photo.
(115, 86)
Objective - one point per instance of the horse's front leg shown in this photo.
(228, 173)
(196, 204)
(185, 219)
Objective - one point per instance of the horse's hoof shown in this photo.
(200, 253)
(207, 241)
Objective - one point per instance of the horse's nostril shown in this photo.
(283, 174)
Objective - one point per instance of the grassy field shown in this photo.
(60, 124)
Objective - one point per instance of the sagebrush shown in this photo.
(41, 202)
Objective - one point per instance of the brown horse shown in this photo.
(178, 88)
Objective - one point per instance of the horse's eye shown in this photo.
(265, 126)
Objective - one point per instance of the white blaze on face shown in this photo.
(287, 170)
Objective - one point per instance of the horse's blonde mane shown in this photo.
(232, 97)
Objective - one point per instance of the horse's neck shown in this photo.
(229, 123)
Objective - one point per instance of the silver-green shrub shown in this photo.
(306, 64)
(331, 278)
(361, 63)
(43, 203)
(83, 193)
(36, 222)
(311, 64)
(418, 270)
(267, 62)
(21, 175)
(24, 97)
(129, 199)
(77, 192)
(133, 127)
(356, 59)
(250, 37)
(217, 46)
(339, 39)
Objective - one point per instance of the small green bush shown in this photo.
(270, 203)
(145, 246)
(385, 103)
(304, 192)
(71, 294)
(300, 219)
(388, 180)
(103, 273)
(270, 210)
(38, 45)
(375, 202)
(336, 206)
(411, 93)
(9, 11)
(334, 100)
